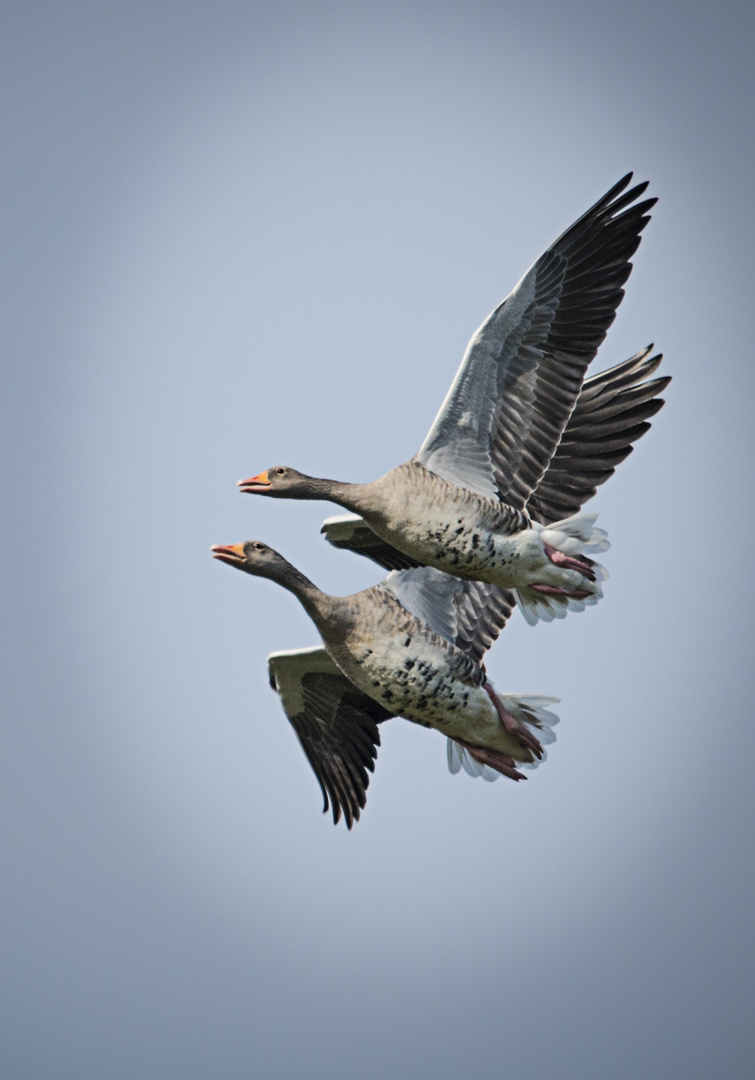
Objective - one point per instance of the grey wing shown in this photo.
(352, 533)
(613, 411)
(336, 725)
(523, 370)
(483, 611)
(469, 614)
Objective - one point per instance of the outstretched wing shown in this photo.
(335, 723)
(612, 413)
(520, 378)
(351, 532)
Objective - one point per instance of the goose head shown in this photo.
(281, 482)
(254, 557)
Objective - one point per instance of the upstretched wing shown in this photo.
(520, 378)
(335, 723)
(612, 413)
(469, 614)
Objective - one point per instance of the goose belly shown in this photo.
(408, 677)
(468, 548)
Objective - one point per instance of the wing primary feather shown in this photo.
(335, 724)
(612, 412)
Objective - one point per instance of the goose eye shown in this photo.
(280, 472)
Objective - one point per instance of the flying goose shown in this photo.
(613, 410)
(405, 647)
(460, 504)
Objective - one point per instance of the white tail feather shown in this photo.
(531, 711)
(528, 709)
(536, 606)
(460, 758)
(575, 535)
(453, 753)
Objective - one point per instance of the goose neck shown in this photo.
(350, 496)
(315, 602)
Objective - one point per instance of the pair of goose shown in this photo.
(484, 517)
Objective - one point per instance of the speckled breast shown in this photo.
(411, 676)
(459, 532)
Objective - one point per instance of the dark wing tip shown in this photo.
(326, 803)
(612, 412)
(617, 188)
(615, 199)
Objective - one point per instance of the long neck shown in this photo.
(350, 496)
(315, 602)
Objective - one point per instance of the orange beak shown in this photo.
(233, 554)
(258, 483)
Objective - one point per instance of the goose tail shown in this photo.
(576, 535)
(530, 710)
(533, 711)
(569, 545)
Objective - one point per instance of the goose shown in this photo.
(405, 647)
(613, 411)
(460, 504)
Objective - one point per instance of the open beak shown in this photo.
(233, 554)
(260, 482)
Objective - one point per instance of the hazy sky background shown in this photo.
(240, 235)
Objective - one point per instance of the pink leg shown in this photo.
(568, 562)
(553, 590)
(502, 763)
(512, 725)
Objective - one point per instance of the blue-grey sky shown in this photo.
(238, 235)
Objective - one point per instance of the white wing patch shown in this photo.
(340, 527)
(287, 669)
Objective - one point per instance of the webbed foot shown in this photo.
(512, 725)
(568, 562)
(502, 763)
(553, 590)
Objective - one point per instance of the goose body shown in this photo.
(612, 412)
(461, 504)
(399, 661)
(393, 643)
(458, 531)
